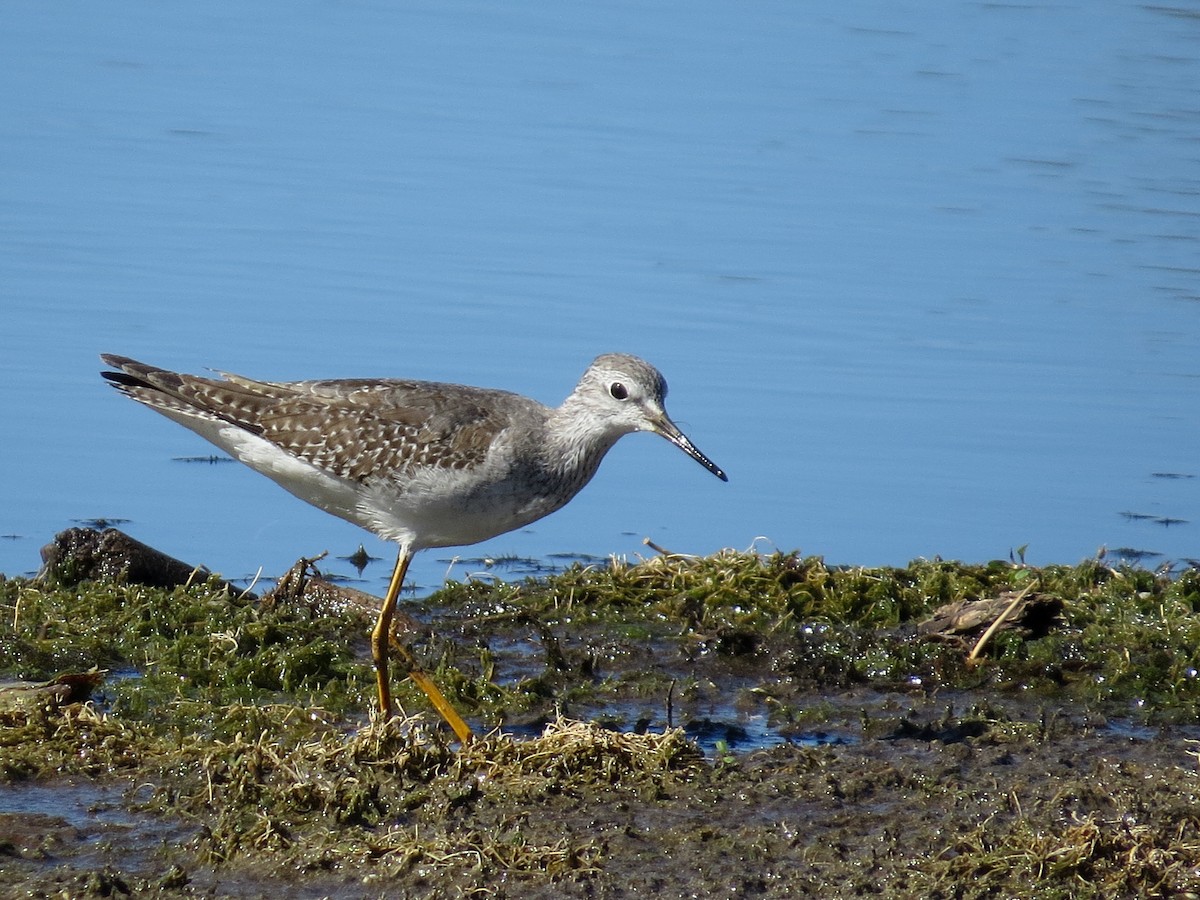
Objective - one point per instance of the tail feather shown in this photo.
(162, 390)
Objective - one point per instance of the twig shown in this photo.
(974, 655)
(665, 552)
(671, 704)
(657, 549)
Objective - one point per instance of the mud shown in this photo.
(739, 726)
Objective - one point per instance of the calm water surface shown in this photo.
(924, 280)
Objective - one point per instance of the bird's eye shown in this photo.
(618, 391)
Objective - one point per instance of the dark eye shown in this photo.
(619, 391)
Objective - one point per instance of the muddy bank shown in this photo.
(731, 726)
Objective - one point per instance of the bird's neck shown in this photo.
(575, 443)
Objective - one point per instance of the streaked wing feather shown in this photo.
(353, 428)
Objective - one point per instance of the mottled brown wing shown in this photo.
(353, 428)
(356, 429)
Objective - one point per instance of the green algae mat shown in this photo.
(739, 725)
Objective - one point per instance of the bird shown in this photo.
(422, 464)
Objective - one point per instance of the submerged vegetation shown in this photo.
(1054, 758)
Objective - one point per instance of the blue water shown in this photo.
(925, 279)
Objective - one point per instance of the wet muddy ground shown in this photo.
(726, 727)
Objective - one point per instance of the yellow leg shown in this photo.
(380, 639)
(382, 631)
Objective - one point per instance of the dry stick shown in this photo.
(1000, 620)
(665, 552)
(671, 704)
(657, 549)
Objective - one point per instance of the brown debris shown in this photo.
(1034, 616)
(74, 687)
(304, 584)
(86, 554)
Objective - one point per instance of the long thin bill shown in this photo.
(668, 430)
